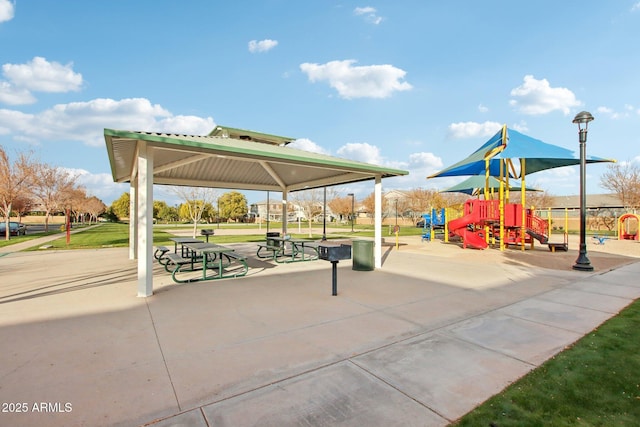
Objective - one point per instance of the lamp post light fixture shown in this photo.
(582, 119)
(352, 208)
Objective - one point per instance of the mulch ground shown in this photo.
(542, 257)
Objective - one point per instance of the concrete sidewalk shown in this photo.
(420, 342)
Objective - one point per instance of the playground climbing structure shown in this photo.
(483, 222)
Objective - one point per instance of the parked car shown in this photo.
(15, 228)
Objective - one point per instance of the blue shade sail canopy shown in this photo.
(508, 144)
(475, 163)
(475, 184)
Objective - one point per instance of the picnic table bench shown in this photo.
(160, 253)
(205, 257)
(274, 249)
(277, 248)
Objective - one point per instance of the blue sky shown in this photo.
(416, 85)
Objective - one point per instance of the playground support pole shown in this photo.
(446, 225)
(501, 202)
(434, 215)
(582, 119)
(523, 201)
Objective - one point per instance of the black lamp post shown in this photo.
(582, 119)
(352, 208)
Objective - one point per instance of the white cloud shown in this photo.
(612, 114)
(262, 45)
(372, 81)
(307, 145)
(473, 129)
(6, 10)
(369, 13)
(520, 127)
(424, 164)
(84, 121)
(100, 185)
(12, 95)
(38, 75)
(538, 97)
(361, 152)
(43, 76)
(635, 7)
(483, 108)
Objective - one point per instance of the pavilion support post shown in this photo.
(145, 219)
(378, 222)
(133, 229)
(285, 197)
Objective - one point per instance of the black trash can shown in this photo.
(362, 255)
(272, 234)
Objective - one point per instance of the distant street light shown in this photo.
(582, 119)
(352, 208)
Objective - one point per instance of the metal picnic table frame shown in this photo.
(182, 241)
(297, 248)
(198, 248)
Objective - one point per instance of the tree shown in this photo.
(164, 212)
(420, 200)
(21, 206)
(195, 202)
(52, 187)
(15, 178)
(120, 207)
(94, 207)
(311, 204)
(76, 202)
(369, 204)
(537, 199)
(342, 206)
(233, 205)
(454, 200)
(624, 180)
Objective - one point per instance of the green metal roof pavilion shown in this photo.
(226, 158)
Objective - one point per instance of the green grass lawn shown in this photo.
(596, 382)
(117, 235)
(104, 235)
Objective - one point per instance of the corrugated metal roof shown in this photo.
(250, 135)
(221, 161)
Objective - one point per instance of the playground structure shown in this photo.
(482, 223)
(507, 154)
(433, 222)
(625, 227)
